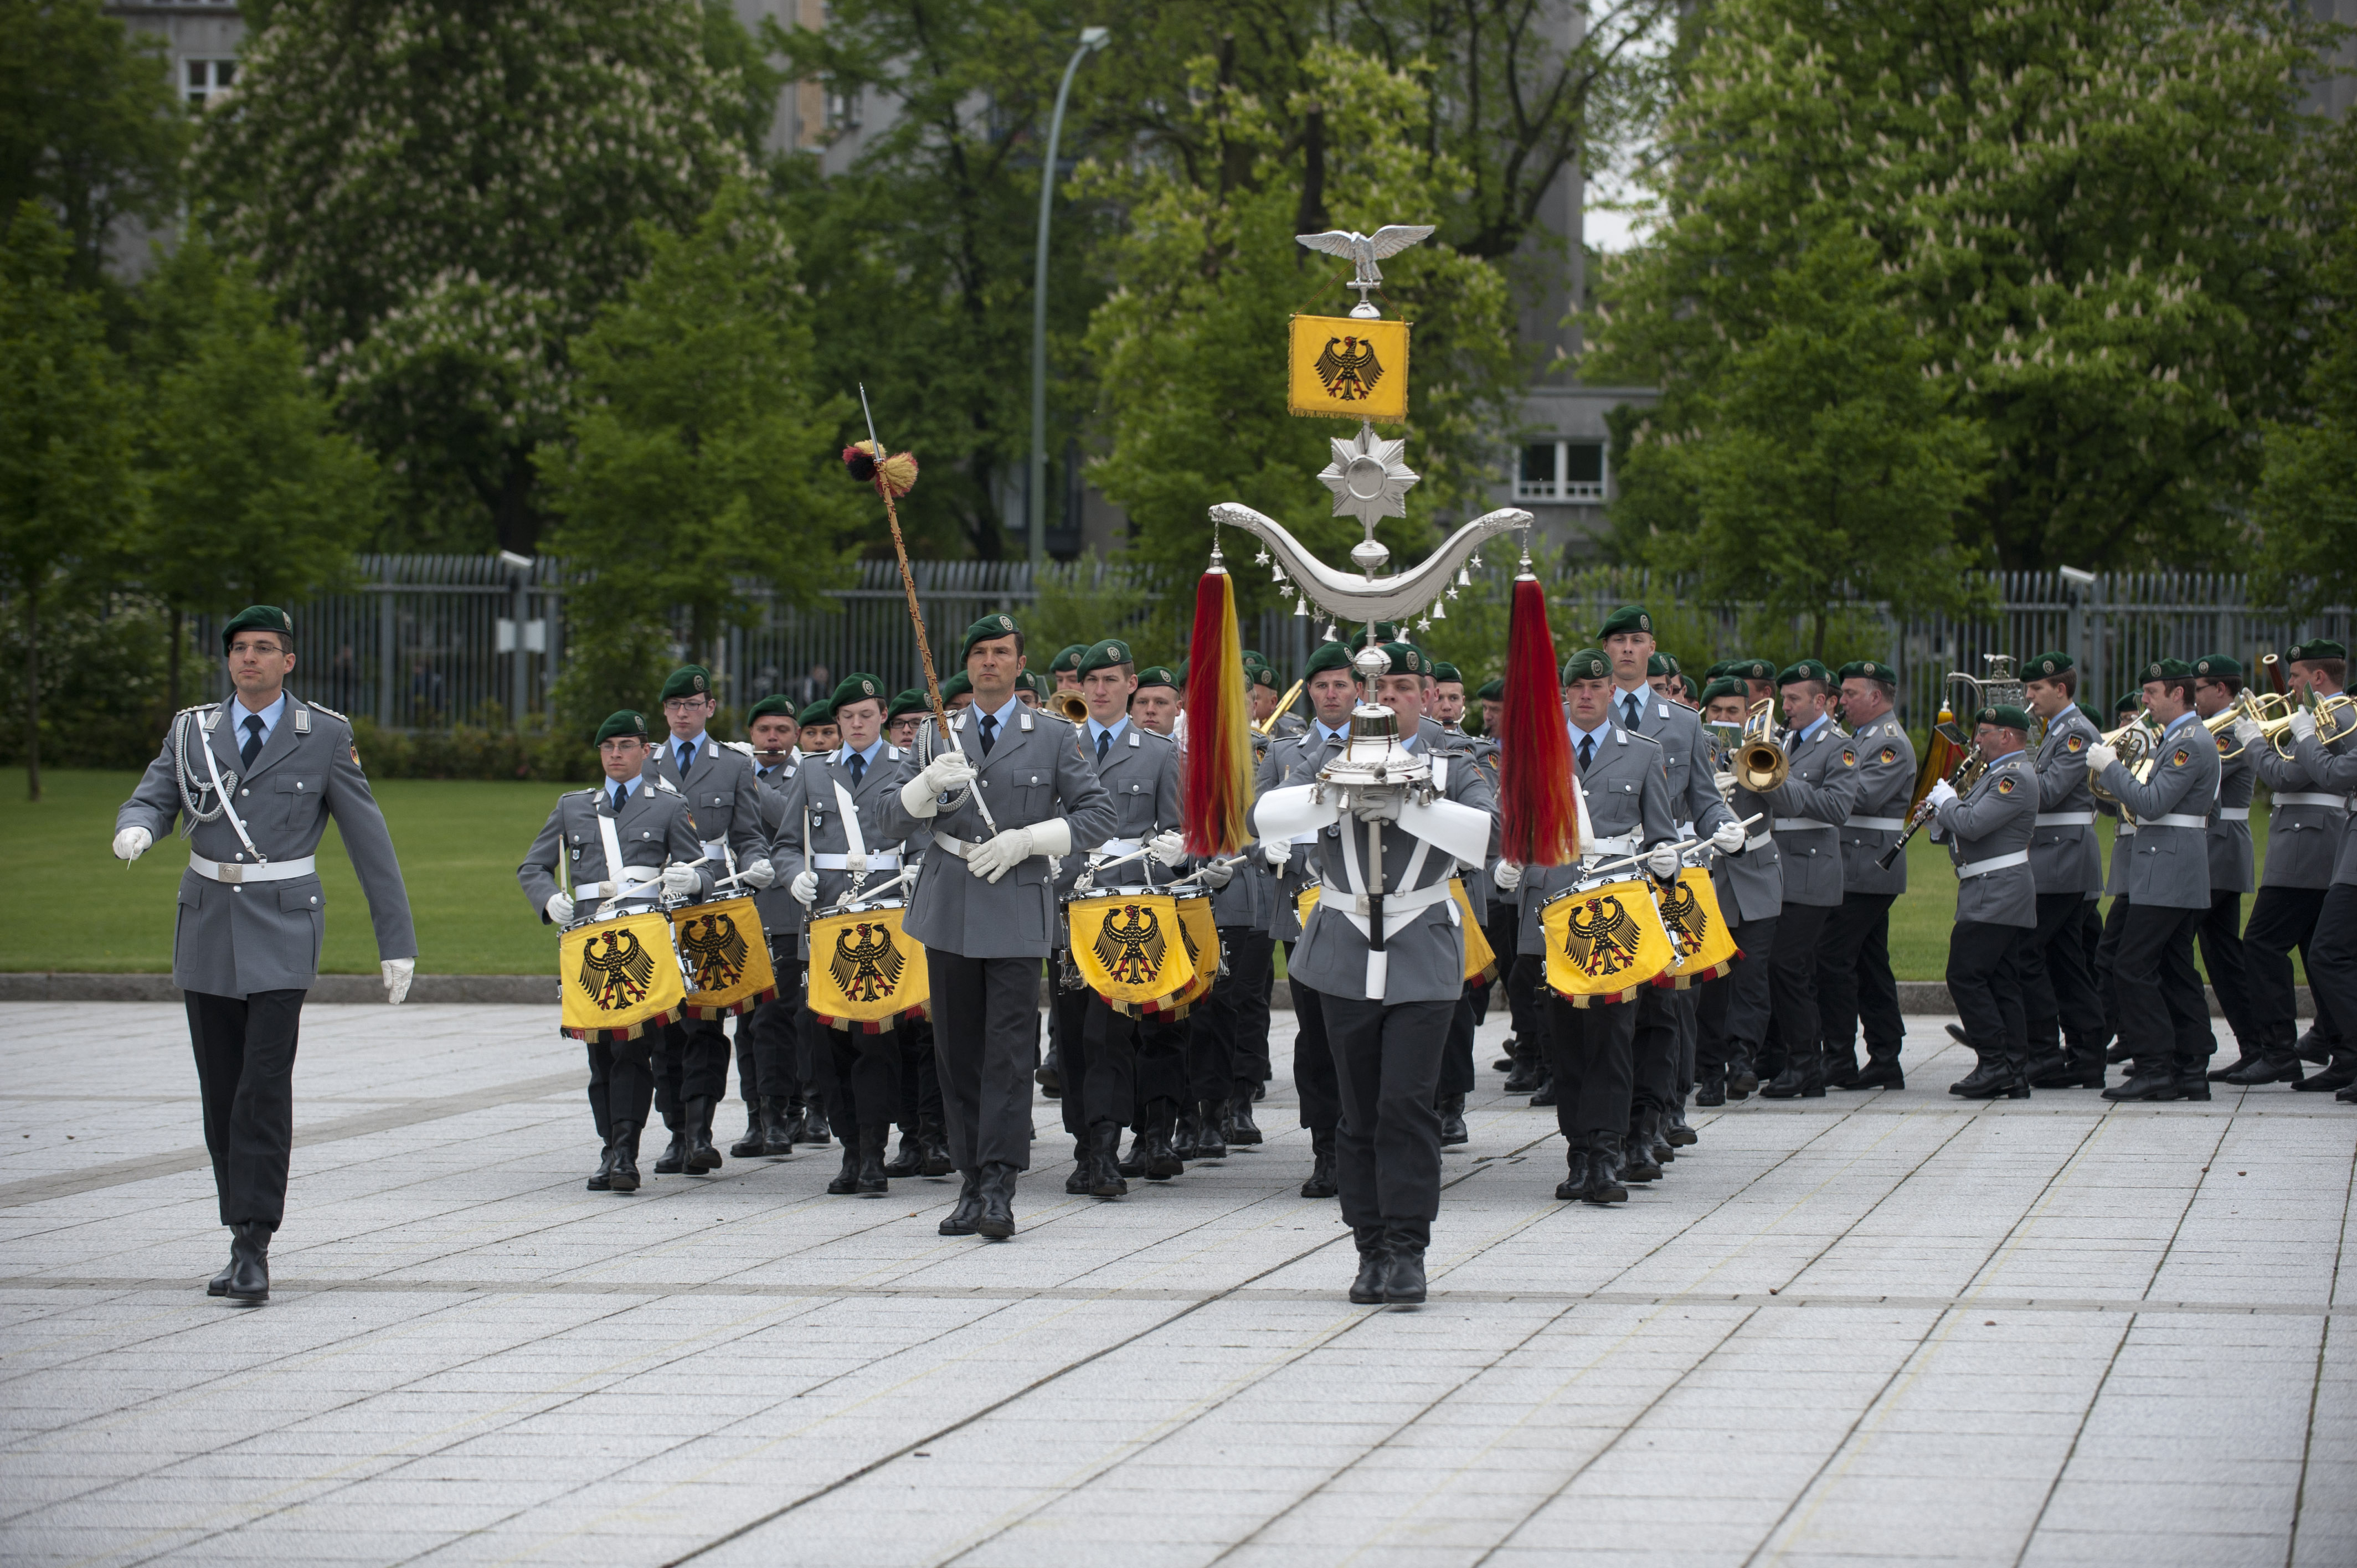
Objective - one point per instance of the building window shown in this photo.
(204, 80)
(1561, 471)
(842, 113)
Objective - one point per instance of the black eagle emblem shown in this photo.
(618, 976)
(718, 952)
(1349, 368)
(867, 962)
(1683, 912)
(1132, 954)
(1601, 937)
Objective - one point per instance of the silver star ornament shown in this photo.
(1368, 478)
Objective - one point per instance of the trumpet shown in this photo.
(1292, 696)
(1067, 704)
(2268, 710)
(1755, 762)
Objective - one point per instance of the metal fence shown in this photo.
(428, 641)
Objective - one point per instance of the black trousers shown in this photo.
(1688, 1013)
(985, 1034)
(1227, 1050)
(2222, 955)
(1731, 1014)
(2059, 1000)
(244, 1047)
(815, 1065)
(1792, 978)
(1099, 1064)
(2107, 963)
(1591, 1052)
(2332, 958)
(1313, 1061)
(921, 1086)
(1527, 979)
(691, 1063)
(1984, 983)
(1654, 1050)
(1504, 931)
(2164, 1012)
(867, 1067)
(2282, 918)
(1457, 1056)
(1387, 1147)
(1854, 980)
(765, 1037)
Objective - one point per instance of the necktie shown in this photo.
(618, 799)
(1631, 708)
(858, 768)
(1586, 751)
(686, 757)
(1104, 739)
(989, 732)
(252, 747)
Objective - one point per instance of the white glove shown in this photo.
(804, 887)
(1379, 806)
(1727, 838)
(398, 972)
(758, 874)
(2248, 732)
(131, 843)
(947, 772)
(1276, 852)
(2303, 724)
(1001, 854)
(1168, 849)
(559, 909)
(1507, 877)
(1942, 793)
(680, 880)
(2100, 756)
(1663, 861)
(1218, 872)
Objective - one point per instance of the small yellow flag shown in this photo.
(1604, 943)
(1347, 368)
(619, 977)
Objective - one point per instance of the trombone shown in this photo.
(1754, 761)
(1293, 695)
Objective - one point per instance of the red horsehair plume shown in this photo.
(1538, 812)
(898, 470)
(1216, 773)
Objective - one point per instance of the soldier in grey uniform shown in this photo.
(254, 782)
(1732, 1012)
(1383, 950)
(1810, 808)
(1854, 985)
(2304, 828)
(724, 797)
(2060, 1006)
(1265, 687)
(765, 1076)
(1007, 790)
(2333, 960)
(2217, 683)
(1228, 1057)
(1988, 832)
(924, 1131)
(568, 875)
(2127, 706)
(832, 842)
(2164, 1017)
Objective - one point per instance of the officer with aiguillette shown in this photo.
(254, 781)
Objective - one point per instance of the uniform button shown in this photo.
(245, 791)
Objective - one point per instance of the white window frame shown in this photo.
(199, 95)
(1561, 487)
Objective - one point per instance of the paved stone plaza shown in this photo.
(1867, 1328)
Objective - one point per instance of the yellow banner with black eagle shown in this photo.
(1131, 947)
(619, 978)
(1689, 909)
(866, 973)
(1604, 943)
(1348, 367)
(726, 955)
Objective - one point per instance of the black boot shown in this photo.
(997, 1218)
(1804, 1078)
(797, 1120)
(1637, 1163)
(1104, 1161)
(1710, 1087)
(960, 1220)
(1211, 1140)
(1524, 1077)
(1543, 1096)
(911, 1157)
(2192, 1084)
(1162, 1161)
(933, 1137)
(1505, 1063)
(1321, 1165)
(2339, 1075)
(2264, 1069)
(1237, 1129)
(219, 1284)
(2223, 1074)
(1132, 1163)
(2309, 1048)
(1404, 1278)
(814, 1127)
(1990, 1079)
(756, 1141)
(1742, 1078)
(1367, 1290)
(1657, 1132)
(1675, 1131)
(1083, 1178)
(2117, 1052)
(1452, 1124)
(673, 1159)
(873, 1137)
(1841, 1066)
(2347, 1096)
(777, 1127)
(601, 1182)
(701, 1155)
(1879, 1072)
(2081, 1067)
(846, 1180)
(248, 1263)
(2155, 1078)
(1187, 1135)
(1604, 1171)
(1574, 1178)
(625, 1174)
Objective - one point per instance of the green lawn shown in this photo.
(460, 843)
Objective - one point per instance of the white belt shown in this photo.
(2065, 820)
(1618, 844)
(1877, 824)
(2126, 830)
(1395, 905)
(716, 849)
(957, 847)
(2310, 798)
(234, 873)
(1112, 847)
(2234, 813)
(1760, 841)
(885, 860)
(1997, 863)
(2175, 820)
(1795, 824)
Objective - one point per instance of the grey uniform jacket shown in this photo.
(780, 916)
(1886, 785)
(1750, 882)
(1287, 762)
(654, 829)
(813, 790)
(1689, 759)
(1035, 773)
(1810, 806)
(2065, 855)
(1627, 792)
(2334, 770)
(2231, 863)
(2305, 823)
(1426, 951)
(2168, 864)
(1994, 822)
(231, 938)
(723, 792)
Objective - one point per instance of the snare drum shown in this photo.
(620, 977)
(866, 975)
(727, 960)
(1689, 909)
(1132, 947)
(1604, 942)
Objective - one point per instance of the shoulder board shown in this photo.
(665, 784)
(894, 752)
(743, 748)
(323, 708)
(1134, 732)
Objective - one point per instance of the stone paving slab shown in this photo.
(1865, 1329)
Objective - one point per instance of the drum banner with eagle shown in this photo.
(1200, 932)
(620, 978)
(726, 956)
(867, 974)
(1480, 958)
(1604, 943)
(1704, 946)
(1129, 946)
(1348, 367)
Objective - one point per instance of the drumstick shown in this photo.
(873, 894)
(1605, 867)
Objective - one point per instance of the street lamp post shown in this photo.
(1091, 40)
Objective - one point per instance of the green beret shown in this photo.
(768, 705)
(2093, 718)
(1261, 676)
(622, 722)
(819, 713)
(1386, 631)
(2307, 652)
(2165, 669)
(1628, 617)
(2127, 703)
(1406, 658)
(2046, 666)
(987, 627)
(1726, 686)
(1804, 669)
(1253, 656)
(2217, 665)
(1718, 668)
(1751, 670)
(957, 685)
(1067, 658)
(258, 618)
(1587, 664)
(2004, 715)
(1446, 672)
(1109, 654)
(1157, 676)
(1661, 664)
(856, 687)
(688, 680)
(911, 701)
(1494, 689)
(1332, 656)
(1867, 670)
(1032, 681)
(1694, 689)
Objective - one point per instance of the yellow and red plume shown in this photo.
(895, 475)
(1216, 783)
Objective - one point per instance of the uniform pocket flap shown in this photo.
(297, 897)
(301, 784)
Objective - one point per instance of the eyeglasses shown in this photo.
(685, 704)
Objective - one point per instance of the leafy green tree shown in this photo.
(2094, 220)
(67, 496)
(702, 460)
(252, 497)
(442, 193)
(89, 125)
